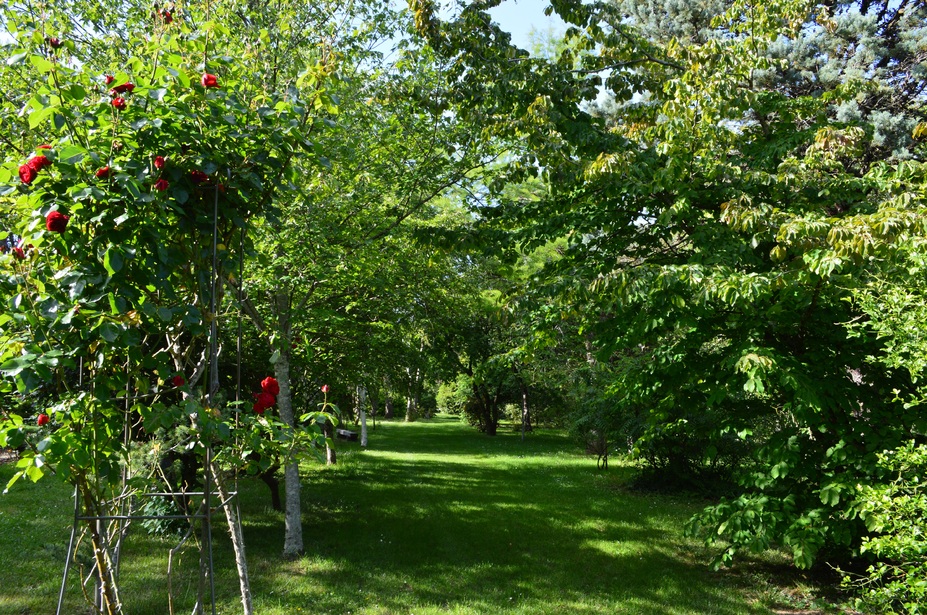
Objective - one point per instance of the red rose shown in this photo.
(265, 399)
(198, 176)
(325, 389)
(53, 42)
(104, 172)
(109, 79)
(119, 102)
(178, 381)
(42, 420)
(209, 81)
(125, 87)
(167, 16)
(257, 407)
(19, 253)
(37, 163)
(27, 174)
(56, 222)
(270, 385)
(159, 162)
(161, 185)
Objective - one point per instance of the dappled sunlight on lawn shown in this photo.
(437, 518)
(493, 525)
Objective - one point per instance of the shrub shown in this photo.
(895, 513)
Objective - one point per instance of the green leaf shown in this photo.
(34, 473)
(109, 332)
(112, 260)
(49, 308)
(12, 481)
(132, 186)
(72, 154)
(14, 366)
(39, 116)
(43, 65)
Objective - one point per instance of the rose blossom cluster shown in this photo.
(118, 101)
(267, 398)
(29, 171)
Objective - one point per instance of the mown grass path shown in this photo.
(432, 518)
(435, 518)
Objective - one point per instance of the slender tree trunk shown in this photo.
(374, 405)
(388, 408)
(328, 428)
(330, 456)
(420, 384)
(293, 532)
(238, 542)
(410, 394)
(362, 412)
(107, 592)
(525, 417)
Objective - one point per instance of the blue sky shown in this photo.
(519, 17)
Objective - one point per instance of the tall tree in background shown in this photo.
(323, 264)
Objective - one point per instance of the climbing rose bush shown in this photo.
(113, 309)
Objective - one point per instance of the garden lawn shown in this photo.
(432, 518)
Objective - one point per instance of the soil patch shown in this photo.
(8, 455)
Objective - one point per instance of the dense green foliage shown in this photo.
(894, 514)
(754, 164)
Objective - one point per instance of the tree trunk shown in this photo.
(106, 594)
(525, 415)
(293, 532)
(330, 456)
(411, 396)
(388, 408)
(361, 411)
(410, 414)
(488, 409)
(238, 542)
(374, 405)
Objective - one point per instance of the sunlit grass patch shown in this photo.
(433, 518)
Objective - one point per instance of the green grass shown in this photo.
(433, 518)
